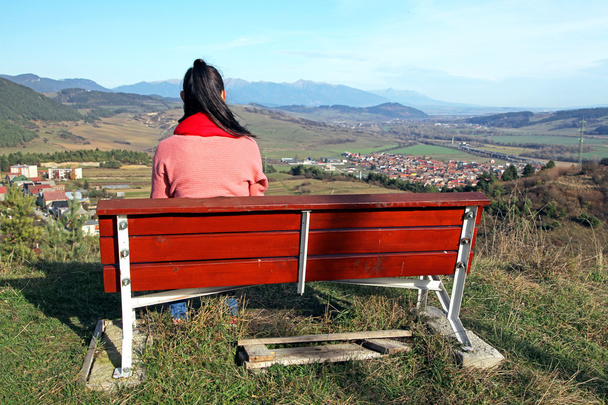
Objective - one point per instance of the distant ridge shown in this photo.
(46, 85)
(596, 119)
(79, 98)
(302, 92)
(167, 88)
(382, 112)
(409, 97)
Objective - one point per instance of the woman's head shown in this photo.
(203, 92)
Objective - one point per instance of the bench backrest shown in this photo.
(191, 243)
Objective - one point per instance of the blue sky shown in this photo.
(534, 53)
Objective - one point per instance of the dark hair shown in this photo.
(203, 86)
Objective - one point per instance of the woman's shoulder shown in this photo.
(174, 140)
(249, 140)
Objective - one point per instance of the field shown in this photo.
(119, 132)
(439, 153)
(282, 136)
(544, 134)
(138, 178)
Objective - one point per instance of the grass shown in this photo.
(542, 305)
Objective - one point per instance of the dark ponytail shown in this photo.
(203, 87)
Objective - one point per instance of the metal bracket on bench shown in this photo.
(411, 283)
(128, 312)
(182, 294)
(451, 304)
(460, 274)
(304, 229)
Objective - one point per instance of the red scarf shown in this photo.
(200, 125)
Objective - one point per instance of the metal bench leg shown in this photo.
(454, 310)
(128, 312)
(423, 295)
(460, 275)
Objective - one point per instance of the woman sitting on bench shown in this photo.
(210, 153)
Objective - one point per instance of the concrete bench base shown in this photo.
(105, 355)
(483, 356)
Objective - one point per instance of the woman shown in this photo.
(210, 153)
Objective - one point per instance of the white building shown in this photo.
(91, 227)
(26, 170)
(65, 173)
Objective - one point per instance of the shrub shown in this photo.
(588, 220)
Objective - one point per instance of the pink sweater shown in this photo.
(207, 166)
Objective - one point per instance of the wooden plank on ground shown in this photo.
(316, 354)
(88, 360)
(258, 352)
(379, 334)
(386, 346)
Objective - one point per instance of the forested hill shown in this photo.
(79, 98)
(507, 120)
(595, 118)
(586, 113)
(20, 104)
(382, 112)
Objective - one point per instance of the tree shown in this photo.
(528, 170)
(73, 221)
(17, 226)
(111, 164)
(510, 173)
(64, 239)
(4, 164)
(550, 165)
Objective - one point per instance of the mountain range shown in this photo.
(302, 92)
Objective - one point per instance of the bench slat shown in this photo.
(155, 276)
(249, 222)
(184, 224)
(283, 203)
(168, 248)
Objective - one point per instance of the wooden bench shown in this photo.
(195, 247)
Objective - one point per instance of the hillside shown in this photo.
(82, 99)
(281, 134)
(506, 120)
(596, 120)
(19, 103)
(19, 106)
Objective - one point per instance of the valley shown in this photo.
(106, 121)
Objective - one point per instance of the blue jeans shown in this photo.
(180, 311)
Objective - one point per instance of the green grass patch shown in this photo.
(541, 305)
(553, 334)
